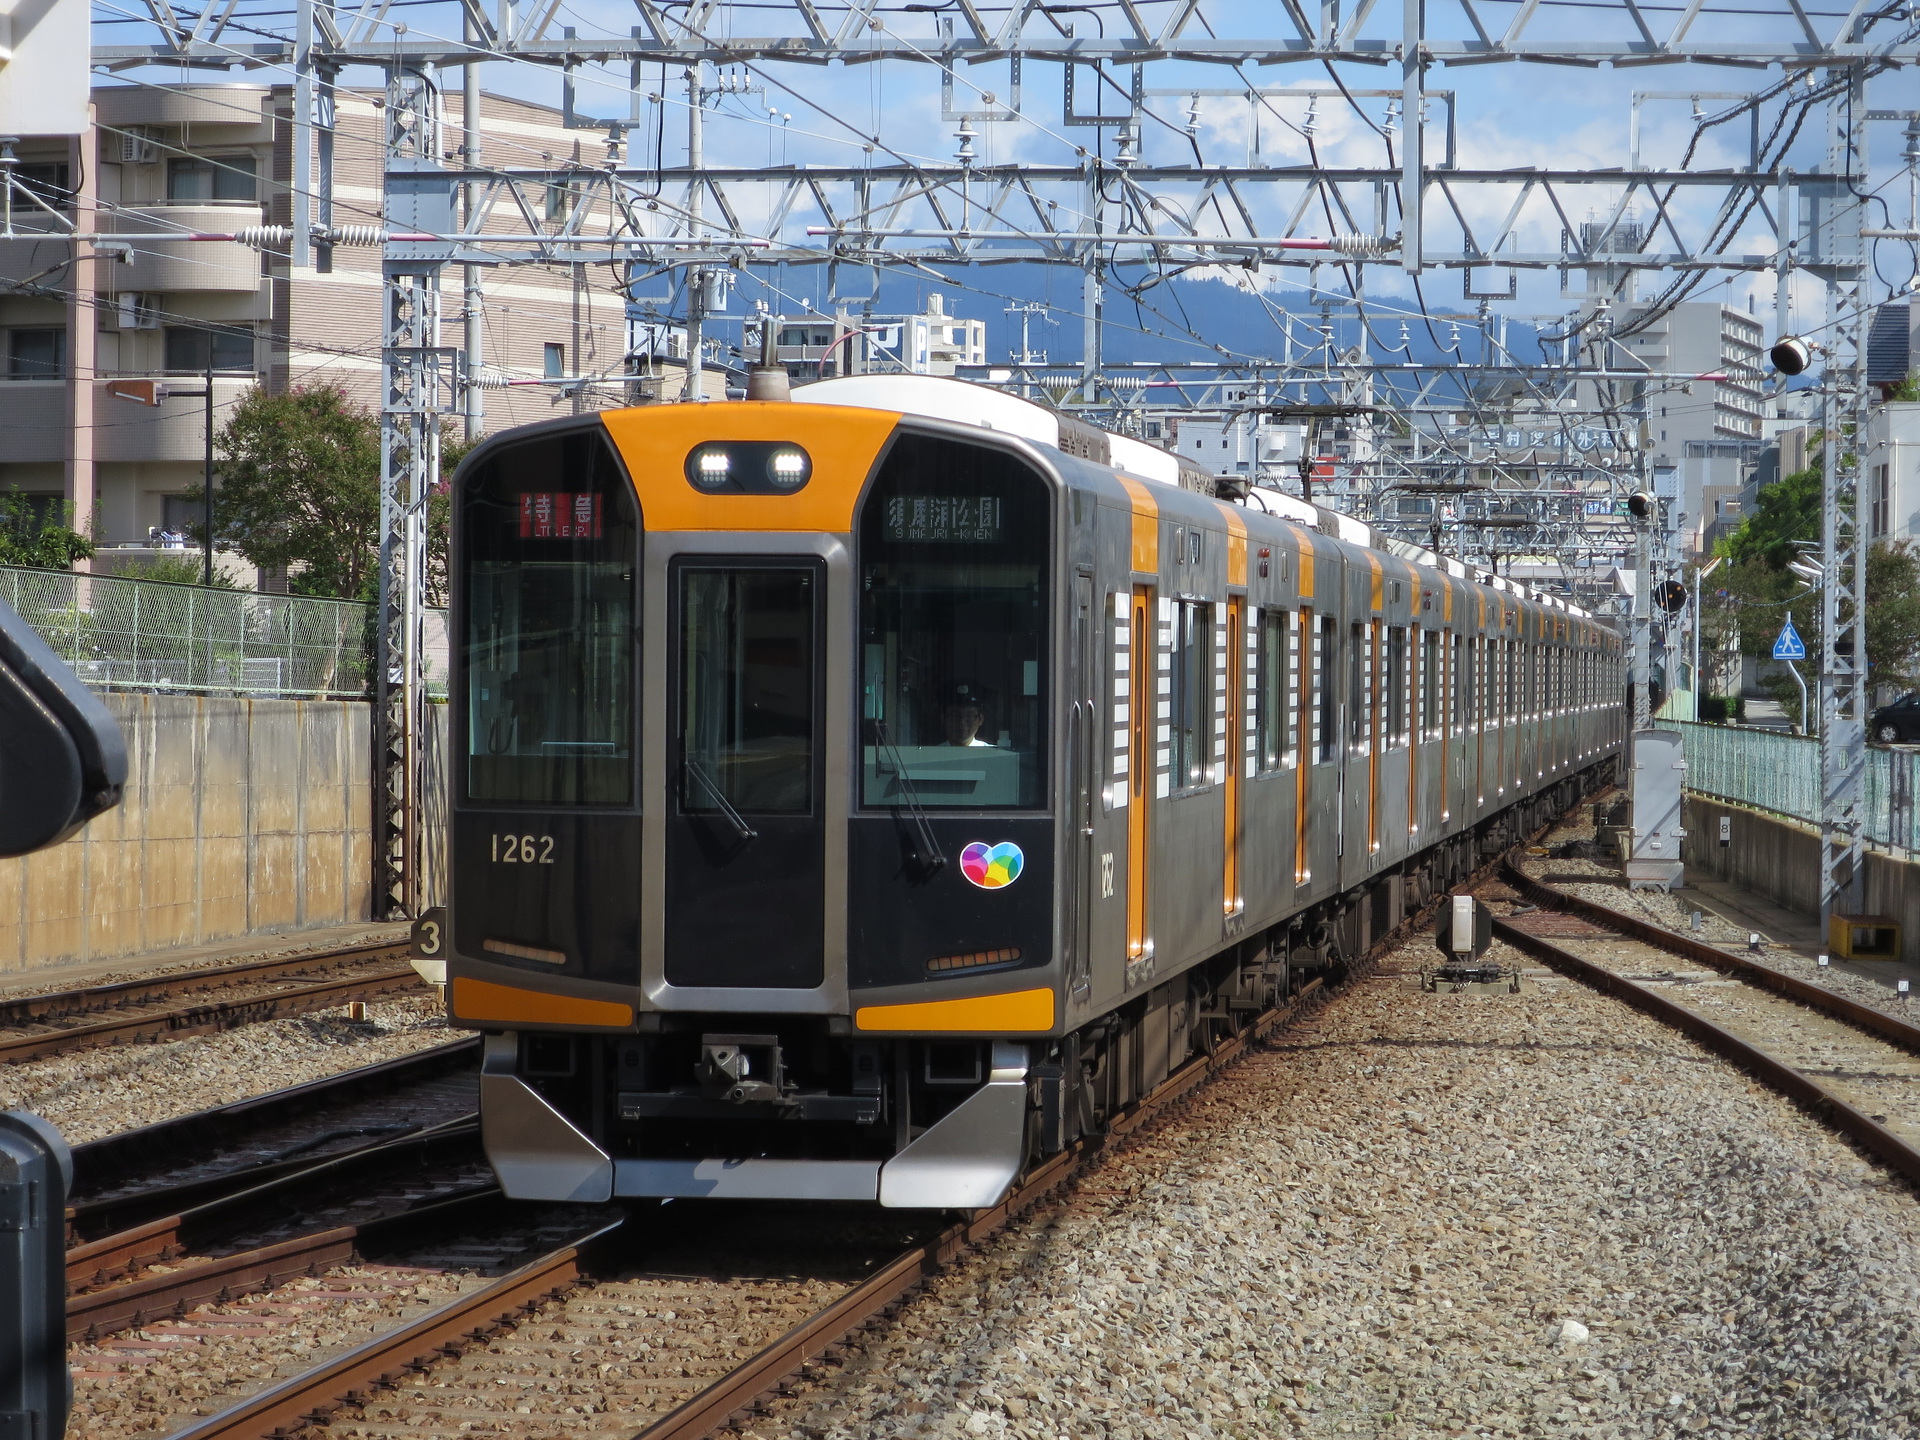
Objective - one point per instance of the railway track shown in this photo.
(1854, 1067)
(677, 1381)
(193, 1002)
(221, 1228)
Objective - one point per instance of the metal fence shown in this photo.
(1768, 770)
(125, 634)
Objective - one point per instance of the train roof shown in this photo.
(964, 402)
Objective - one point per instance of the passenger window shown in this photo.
(1192, 694)
(1279, 690)
(1325, 737)
(1396, 687)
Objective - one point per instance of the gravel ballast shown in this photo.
(90, 1093)
(1532, 1215)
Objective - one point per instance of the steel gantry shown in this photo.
(1121, 174)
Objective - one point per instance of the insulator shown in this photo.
(354, 235)
(1362, 246)
(261, 236)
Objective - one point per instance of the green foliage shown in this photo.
(1907, 390)
(300, 488)
(1786, 515)
(1893, 615)
(30, 536)
(174, 570)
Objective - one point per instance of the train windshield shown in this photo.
(548, 544)
(953, 624)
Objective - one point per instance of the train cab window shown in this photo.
(545, 577)
(1192, 695)
(954, 598)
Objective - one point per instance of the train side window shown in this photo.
(1396, 727)
(1294, 697)
(1430, 685)
(954, 600)
(1277, 711)
(1325, 737)
(1193, 692)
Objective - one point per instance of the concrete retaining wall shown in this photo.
(241, 817)
(1781, 860)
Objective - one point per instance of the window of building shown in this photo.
(553, 360)
(188, 348)
(46, 181)
(211, 177)
(38, 354)
(1192, 694)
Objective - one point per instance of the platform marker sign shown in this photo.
(1789, 646)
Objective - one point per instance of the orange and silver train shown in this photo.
(863, 796)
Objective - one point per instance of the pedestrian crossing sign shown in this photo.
(1789, 646)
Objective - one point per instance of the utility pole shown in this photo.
(416, 378)
(473, 299)
(695, 275)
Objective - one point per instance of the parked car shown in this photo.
(1897, 723)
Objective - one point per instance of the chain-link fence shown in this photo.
(124, 634)
(1768, 770)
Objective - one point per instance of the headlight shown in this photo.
(748, 467)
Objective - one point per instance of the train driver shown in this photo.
(963, 710)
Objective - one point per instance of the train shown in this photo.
(864, 795)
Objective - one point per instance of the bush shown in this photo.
(1716, 709)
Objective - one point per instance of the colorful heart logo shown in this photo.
(991, 866)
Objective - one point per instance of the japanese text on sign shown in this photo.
(559, 515)
(947, 519)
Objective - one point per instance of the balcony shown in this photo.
(125, 430)
(177, 266)
(33, 418)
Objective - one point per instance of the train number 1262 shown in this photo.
(523, 849)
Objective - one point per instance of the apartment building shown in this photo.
(216, 158)
(1706, 413)
(932, 342)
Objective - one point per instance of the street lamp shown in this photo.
(146, 392)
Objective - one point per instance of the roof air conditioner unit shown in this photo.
(134, 310)
(137, 146)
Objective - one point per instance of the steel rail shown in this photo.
(1862, 1017)
(99, 1162)
(210, 1016)
(386, 1359)
(140, 1302)
(249, 1195)
(1822, 1102)
(158, 989)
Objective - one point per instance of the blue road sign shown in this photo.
(1789, 646)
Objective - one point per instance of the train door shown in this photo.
(1142, 696)
(745, 822)
(1083, 752)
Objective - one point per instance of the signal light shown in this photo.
(1640, 505)
(1791, 356)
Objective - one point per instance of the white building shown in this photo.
(1890, 471)
(1251, 447)
(819, 347)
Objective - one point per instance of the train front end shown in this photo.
(753, 834)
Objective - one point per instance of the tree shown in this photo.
(1893, 615)
(299, 487)
(31, 536)
(1786, 514)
